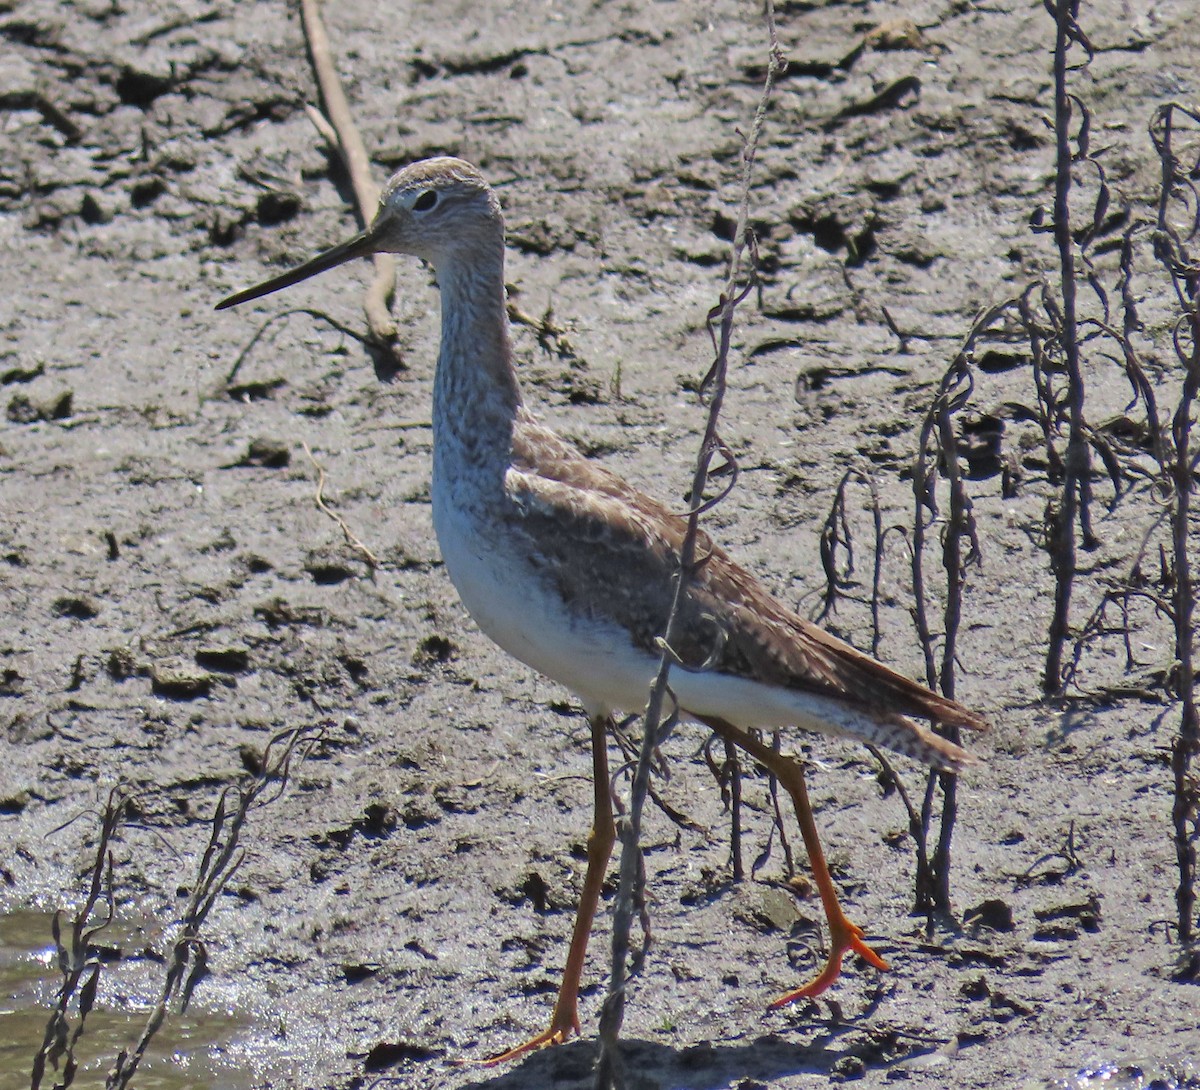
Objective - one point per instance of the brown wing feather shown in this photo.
(730, 623)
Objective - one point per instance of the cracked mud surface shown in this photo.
(173, 596)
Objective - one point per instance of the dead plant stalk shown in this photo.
(609, 1074)
(1073, 502)
(1178, 193)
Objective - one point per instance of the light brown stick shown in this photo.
(353, 153)
(352, 538)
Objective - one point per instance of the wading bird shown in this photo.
(569, 568)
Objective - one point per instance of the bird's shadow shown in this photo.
(650, 1065)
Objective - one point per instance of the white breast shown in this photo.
(516, 607)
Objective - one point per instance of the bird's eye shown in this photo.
(425, 201)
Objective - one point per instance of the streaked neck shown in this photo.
(475, 393)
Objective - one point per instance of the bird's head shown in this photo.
(435, 209)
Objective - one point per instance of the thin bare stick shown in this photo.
(937, 456)
(609, 1073)
(262, 330)
(351, 538)
(349, 146)
(324, 129)
(1073, 504)
(551, 336)
(916, 829)
(836, 537)
(76, 959)
(188, 957)
(735, 811)
(1172, 247)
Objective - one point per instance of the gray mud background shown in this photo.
(173, 596)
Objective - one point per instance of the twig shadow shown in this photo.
(386, 361)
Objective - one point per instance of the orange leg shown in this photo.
(844, 936)
(565, 1019)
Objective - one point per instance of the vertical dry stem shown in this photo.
(836, 538)
(349, 145)
(937, 454)
(609, 1073)
(188, 958)
(75, 954)
(1073, 504)
(1178, 193)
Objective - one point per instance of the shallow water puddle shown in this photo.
(187, 1053)
(1183, 1075)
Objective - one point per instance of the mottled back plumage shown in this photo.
(730, 623)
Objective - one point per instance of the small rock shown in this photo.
(14, 803)
(387, 1054)
(359, 971)
(268, 453)
(231, 659)
(179, 682)
(81, 607)
(848, 1067)
(22, 409)
(992, 913)
(276, 206)
(94, 211)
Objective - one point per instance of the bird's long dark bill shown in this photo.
(361, 245)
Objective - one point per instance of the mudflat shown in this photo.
(173, 594)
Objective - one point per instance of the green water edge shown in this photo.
(188, 1053)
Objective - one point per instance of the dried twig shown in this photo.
(728, 774)
(629, 749)
(1134, 585)
(836, 538)
(188, 958)
(349, 146)
(1066, 853)
(551, 336)
(76, 959)
(1177, 229)
(352, 539)
(938, 457)
(1073, 503)
(261, 332)
(609, 1074)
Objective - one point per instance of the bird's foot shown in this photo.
(562, 1026)
(845, 938)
